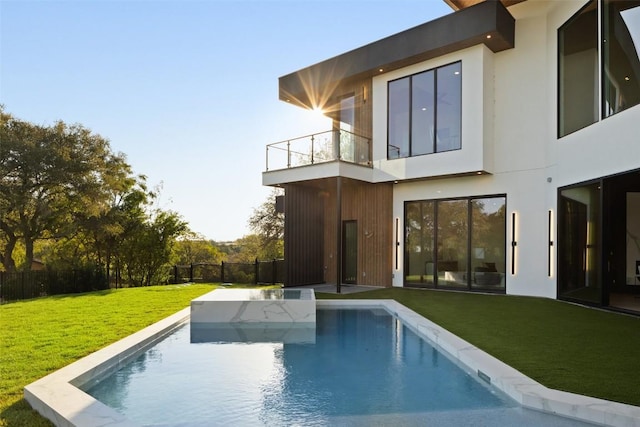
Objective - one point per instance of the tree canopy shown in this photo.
(69, 200)
(64, 184)
(268, 225)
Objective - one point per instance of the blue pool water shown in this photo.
(365, 368)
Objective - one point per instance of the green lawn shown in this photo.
(563, 346)
(42, 335)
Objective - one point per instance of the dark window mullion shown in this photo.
(469, 233)
(410, 116)
(435, 110)
(436, 269)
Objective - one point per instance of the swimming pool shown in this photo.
(58, 397)
(365, 367)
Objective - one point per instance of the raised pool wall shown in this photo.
(58, 398)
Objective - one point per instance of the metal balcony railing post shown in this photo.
(312, 151)
(267, 157)
(288, 154)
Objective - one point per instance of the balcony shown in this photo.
(324, 147)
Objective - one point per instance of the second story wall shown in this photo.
(475, 152)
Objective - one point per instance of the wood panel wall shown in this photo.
(303, 238)
(371, 206)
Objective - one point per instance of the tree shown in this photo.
(50, 179)
(268, 225)
(193, 248)
(148, 245)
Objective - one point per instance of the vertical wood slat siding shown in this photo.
(303, 243)
(310, 215)
(371, 206)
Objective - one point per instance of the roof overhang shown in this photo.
(487, 22)
(463, 4)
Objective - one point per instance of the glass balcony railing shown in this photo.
(319, 148)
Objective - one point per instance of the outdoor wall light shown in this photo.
(550, 254)
(397, 240)
(514, 243)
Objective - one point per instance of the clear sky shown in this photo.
(188, 90)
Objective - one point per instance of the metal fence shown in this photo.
(258, 272)
(21, 285)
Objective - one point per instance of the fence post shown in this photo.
(256, 269)
(22, 284)
(191, 273)
(175, 274)
(222, 271)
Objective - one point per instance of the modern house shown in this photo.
(494, 149)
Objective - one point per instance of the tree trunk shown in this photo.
(6, 257)
(28, 248)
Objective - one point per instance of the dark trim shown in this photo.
(514, 243)
(450, 33)
(397, 242)
(550, 235)
(462, 4)
(339, 234)
(345, 224)
(436, 237)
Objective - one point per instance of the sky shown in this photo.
(187, 90)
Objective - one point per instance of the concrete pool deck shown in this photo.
(59, 398)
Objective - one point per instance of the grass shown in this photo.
(561, 345)
(42, 335)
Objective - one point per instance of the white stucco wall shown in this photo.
(509, 111)
(477, 86)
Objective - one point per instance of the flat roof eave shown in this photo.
(488, 23)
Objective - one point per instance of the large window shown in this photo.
(598, 78)
(620, 63)
(424, 112)
(456, 243)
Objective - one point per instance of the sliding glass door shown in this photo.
(456, 243)
(579, 243)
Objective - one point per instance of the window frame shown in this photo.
(600, 80)
(470, 286)
(409, 103)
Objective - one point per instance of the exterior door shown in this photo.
(580, 243)
(349, 251)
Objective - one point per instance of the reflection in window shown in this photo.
(488, 238)
(424, 112)
(452, 243)
(398, 126)
(578, 223)
(444, 224)
(419, 243)
(448, 108)
(579, 99)
(620, 44)
(578, 77)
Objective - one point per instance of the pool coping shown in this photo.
(58, 398)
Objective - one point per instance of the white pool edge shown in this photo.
(57, 398)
